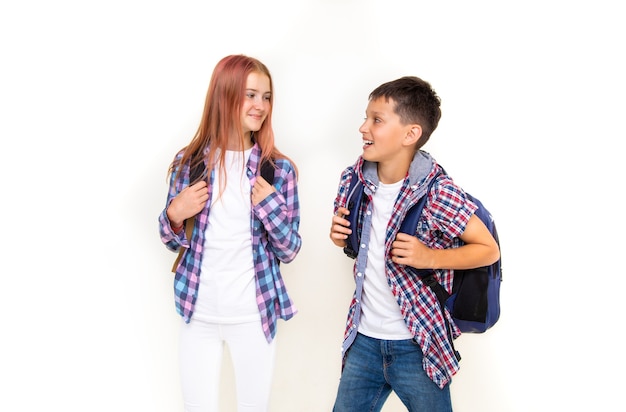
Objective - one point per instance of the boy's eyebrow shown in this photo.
(376, 113)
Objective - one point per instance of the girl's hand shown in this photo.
(261, 190)
(189, 202)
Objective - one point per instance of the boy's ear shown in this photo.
(413, 135)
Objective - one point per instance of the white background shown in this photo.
(96, 97)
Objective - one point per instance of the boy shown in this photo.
(396, 337)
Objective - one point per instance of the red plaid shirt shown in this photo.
(443, 220)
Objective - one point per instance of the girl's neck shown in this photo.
(234, 144)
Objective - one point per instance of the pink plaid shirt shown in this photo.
(279, 214)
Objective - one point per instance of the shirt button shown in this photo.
(359, 274)
(362, 245)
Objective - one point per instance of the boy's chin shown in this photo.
(369, 157)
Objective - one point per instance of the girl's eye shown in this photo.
(267, 98)
(250, 95)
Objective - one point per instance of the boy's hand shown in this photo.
(339, 228)
(189, 202)
(409, 250)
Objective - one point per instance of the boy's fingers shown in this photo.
(342, 211)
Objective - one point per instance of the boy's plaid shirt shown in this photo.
(443, 220)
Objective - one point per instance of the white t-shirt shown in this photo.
(227, 292)
(381, 317)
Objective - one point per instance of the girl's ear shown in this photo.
(413, 135)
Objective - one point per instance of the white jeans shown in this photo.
(201, 350)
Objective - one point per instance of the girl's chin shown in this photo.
(248, 130)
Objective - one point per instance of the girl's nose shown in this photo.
(260, 102)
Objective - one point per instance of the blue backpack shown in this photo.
(475, 300)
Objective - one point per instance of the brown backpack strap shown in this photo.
(189, 223)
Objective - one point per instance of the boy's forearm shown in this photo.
(468, 256)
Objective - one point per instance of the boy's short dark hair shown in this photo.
(416, 102)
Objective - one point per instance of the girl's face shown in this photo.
(256, 102)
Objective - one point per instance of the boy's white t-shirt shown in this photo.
(227, 292)
(381, 317)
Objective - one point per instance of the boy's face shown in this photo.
(384, 135)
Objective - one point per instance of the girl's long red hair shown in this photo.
(222, 116)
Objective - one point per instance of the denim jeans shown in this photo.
(375, 367)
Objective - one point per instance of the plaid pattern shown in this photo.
(279, 214)
(443, 220)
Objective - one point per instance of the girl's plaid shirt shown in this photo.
(278, 215)
(443, 220)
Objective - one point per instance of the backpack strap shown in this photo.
(267, 171)
(353, 204)
(427, 276)
(189, 224)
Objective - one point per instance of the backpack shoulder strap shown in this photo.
(409, 226)
(353, 204)
(267, 171)
(196, 172)
(189, 224)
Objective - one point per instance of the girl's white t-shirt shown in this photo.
(227, 292)
(381, 317)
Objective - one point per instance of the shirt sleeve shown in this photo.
(177, 182)
(280, 213)
(450, 209)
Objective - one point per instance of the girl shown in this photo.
(228, 286)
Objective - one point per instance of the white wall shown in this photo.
(96, 97)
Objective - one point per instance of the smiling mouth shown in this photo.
(368, 142)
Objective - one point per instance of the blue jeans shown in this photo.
(375, 367)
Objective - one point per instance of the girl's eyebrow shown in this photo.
(257, 91)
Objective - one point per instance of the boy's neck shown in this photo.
(392, 172)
